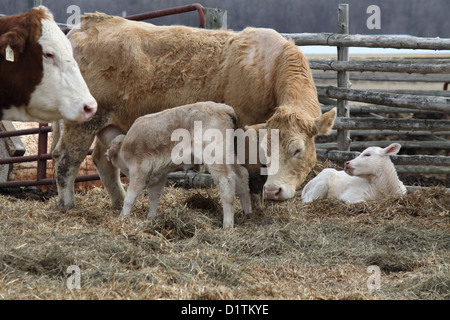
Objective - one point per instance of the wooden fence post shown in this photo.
(343, 81)
(215, 18)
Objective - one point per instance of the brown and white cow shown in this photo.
(160, 143)
(135, 68)
(39, 78)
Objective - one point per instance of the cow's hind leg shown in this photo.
(109, 175)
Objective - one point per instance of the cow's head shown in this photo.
(43, 82)
(296, 153)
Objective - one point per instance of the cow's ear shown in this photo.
(14, 41)
(325, 122)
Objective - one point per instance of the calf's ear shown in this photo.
(325, 122)
(15, 41)
(392, 149)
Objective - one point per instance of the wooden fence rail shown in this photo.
(329, 75)
(434, 103)
(380, 66)
(391, 124)
(370, 41)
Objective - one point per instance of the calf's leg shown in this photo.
(242, 187)
(154, 193)
(137, 184)
(225, 180)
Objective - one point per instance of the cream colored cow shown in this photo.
(136, 68)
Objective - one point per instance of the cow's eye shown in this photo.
(297, 152)
(49, 55)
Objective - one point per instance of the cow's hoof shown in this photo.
(66, 206)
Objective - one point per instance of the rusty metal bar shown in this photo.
(45, 182)
(24, 132)
(42, 149)
(20, 159)
(166, 12)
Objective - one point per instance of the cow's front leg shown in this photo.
(69, 152)
(109, 175)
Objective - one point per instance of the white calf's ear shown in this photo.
(392, 149)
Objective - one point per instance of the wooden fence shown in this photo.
(363, 118)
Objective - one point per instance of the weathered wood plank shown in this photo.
(423, 169)
(398, 159)
(403, 66)
(396, 100)
(364, 109)
(371, 41)
(343, 136)
(359, 145)
(392, 124)
(330, 75)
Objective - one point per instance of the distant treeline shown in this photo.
(426, 18)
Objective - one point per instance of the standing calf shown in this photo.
(369, 176)
(146, 154)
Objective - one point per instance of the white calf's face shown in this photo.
(62, 93)
(370, 160)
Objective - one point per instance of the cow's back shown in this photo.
(135, 68)
(142, 68)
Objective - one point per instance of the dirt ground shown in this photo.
(289, 251)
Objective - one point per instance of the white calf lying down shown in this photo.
(145, 153)
(369, 176)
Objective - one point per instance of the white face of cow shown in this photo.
(62, 92)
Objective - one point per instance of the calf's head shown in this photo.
(296, 150)
(371, 161)
(43, 82)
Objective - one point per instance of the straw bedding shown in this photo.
(290, 250)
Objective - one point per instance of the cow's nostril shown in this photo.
(272, 192)
(89, 110)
